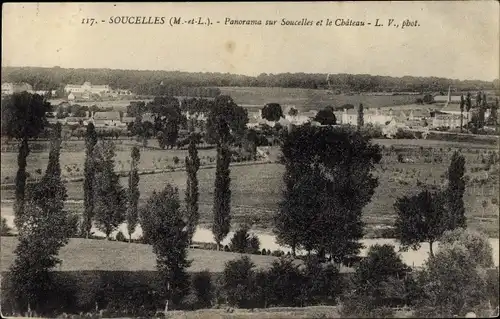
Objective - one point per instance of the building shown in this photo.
(77, 121)
(120, 92)
(447, 120)
(101, 119)
(128, 119)
(450, 114)
(370, 116)
(11, 88)
(87, 87)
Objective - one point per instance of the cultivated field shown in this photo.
(257, 189)
(72, 159)
(308, 99)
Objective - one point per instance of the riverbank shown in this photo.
(414, 258)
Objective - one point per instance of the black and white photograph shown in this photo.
(250, 160)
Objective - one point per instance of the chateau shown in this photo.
(87, 87)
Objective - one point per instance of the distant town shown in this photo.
(428, 111)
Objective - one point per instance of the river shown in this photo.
(414, 258)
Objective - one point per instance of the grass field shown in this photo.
(267, 313)
(308, 99)
(91, 254)
(271, 313)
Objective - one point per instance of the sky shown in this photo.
(458, 40)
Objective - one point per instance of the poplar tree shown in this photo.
(133, 192)
(192, 193)
(222, 195)
(43, 230)
(360, 116)
(165, 228)
(88, 200)
(109, 196)
(462, 106)
(23, 117)
(455, 192)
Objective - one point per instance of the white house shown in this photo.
(87, 86)
(11, 88)
(101, 119)
(369, 117)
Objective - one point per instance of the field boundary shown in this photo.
(6, 186)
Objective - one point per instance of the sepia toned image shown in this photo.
(250, 160)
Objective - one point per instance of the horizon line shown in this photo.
(247, 75)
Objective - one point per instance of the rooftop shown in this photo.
(107, 116)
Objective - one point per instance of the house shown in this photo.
(148, 117)
(390, 128)
(11, 88)
(120, 92)
(79, 96)
(76, 121)
(196, 116)
(298, 119)
(128, 119)
(101, 119)
(87, 87)
(252, 122)
(370, 116)
(447, 120)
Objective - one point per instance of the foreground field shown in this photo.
(308, 99)
(269, 313)
(91, 254)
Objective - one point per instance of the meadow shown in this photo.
(257, 189)
(93, 254)
(309, 99)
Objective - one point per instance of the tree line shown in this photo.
(155, 82)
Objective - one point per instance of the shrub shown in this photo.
(277, 253)
(120, 236)
(176, 160)
(5, 230)
(240, 240)
(253, 245)
(203, 289)
(239, 284)
(285, 284)
(323, 282)
(378, 281)
(400, 158)
(454, 279)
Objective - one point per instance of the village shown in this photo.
(440, 113)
